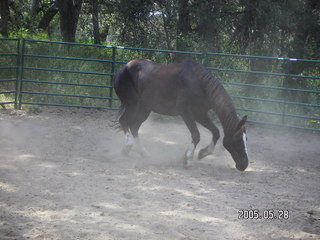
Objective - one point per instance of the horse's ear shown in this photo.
(241, 123)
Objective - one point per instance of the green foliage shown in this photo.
(262, 27)
(26, 33)
(313, 124)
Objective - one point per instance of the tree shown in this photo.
(167, 9)
(4, 14)
(69, 15)
(183, 24)
(95, 20)
(48, 15)
(305, 44)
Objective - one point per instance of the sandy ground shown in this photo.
(62, 177)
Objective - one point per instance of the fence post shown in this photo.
(112, 75)
(20, 62)
(16, 97)
(21, 72)
(285, 98)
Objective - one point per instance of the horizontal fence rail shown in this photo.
(276, 91)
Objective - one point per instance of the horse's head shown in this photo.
(236, 144)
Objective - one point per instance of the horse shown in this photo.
(182, 88)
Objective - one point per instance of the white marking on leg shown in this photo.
(190, 151)
(244, 138)
(128, 144)
(141, 148)
(129, 139)
(189, 155)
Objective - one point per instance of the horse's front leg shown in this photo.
(188, 156)
(195, 134)
(206, 151)
(205, 121)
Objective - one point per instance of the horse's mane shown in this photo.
(218, 97)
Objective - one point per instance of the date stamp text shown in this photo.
(265, 214)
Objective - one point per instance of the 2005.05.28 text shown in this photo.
(267, 214)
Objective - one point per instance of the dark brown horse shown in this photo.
(186, 89)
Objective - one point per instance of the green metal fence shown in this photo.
(9, 64)
(35, 73)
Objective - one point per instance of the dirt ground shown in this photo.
(62, 177)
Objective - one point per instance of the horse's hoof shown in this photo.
(203, 153)
(187, 162)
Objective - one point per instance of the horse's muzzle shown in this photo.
(242, 164)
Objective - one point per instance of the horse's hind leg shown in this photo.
(141, 115)
(130, 122)
(124, 121)
(205, 121)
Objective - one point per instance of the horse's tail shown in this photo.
(126, 90)
(115, 123)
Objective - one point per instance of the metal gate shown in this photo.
(34, 72)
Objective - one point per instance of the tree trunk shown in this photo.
(95, 21)
(207, 27)
(48, 16)
(69, 15)
(183, 25)
(34, 8)
(4, 13)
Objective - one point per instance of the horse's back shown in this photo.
(161, 87)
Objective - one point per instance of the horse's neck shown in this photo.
(229, 122)
(220, 101)
(224, 108)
